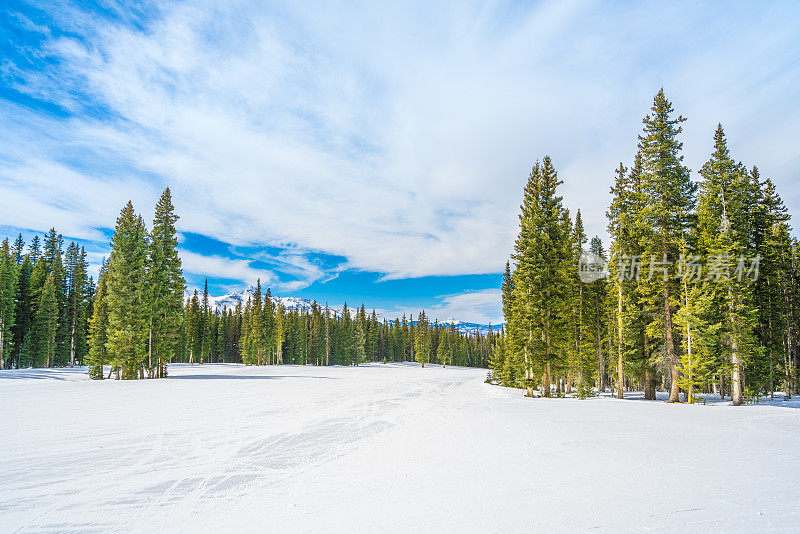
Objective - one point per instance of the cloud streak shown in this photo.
(476, 306)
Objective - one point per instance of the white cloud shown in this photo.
(472, 306)
(221, 267)
(396, 136)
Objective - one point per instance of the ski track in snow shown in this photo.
(380, 448)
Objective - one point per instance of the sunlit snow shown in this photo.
(378, 447)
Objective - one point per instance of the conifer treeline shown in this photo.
(134, 321)
(52, 314)
(263, 332)
(45, 298)
(702, 291)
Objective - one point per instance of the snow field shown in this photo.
(379, 448)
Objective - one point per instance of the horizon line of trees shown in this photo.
(263, 332)
(702, 293)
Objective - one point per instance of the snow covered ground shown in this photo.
(380, 448)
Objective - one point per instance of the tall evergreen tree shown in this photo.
(23, 321)
(127, 295)
(165, 286)
(46, 324)
(8, 290)
(724, 228)
(422, 351)
(667, 211)
(541, 283)
(17, 251)
(98, 328)
(77, 278)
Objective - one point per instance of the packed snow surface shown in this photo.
(381, 448)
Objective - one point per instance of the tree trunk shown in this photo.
(736, 382)
(620, 367)
(72, 346)
(528, 368)
(788, 365)
(649, 385)
(736, 378)
(547, 355)
(600, 363)
(547, 380)
(674, 392)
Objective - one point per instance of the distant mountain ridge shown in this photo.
(295, 303)
(232, 299)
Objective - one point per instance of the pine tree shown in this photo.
(77, 278)
(18, 249)
(98, 328)
(443, 349)
(327, 335)
(52, 259)
(46, 324)
(165, 286)
(360, 342)
(666, 210)
(280, 319)
(127, 295)
(23, 320)
(541, 277)
(205, 327)
(724, 222)
(35, 250)
(596, 296)
(581, 360)
(510, 369)
(257, 348)
(192, 327)
(621, 227)
(8, 290)
(422, 351)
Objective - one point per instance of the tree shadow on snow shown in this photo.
(39, 374)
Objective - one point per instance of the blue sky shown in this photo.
(369, 151)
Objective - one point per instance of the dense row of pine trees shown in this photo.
(134, 320)
(45, 298)
(263, 332)
(53, 314)
(702, 293)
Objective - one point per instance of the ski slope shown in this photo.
(380, 448)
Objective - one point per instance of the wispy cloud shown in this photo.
(224, 268)
(474, 306)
